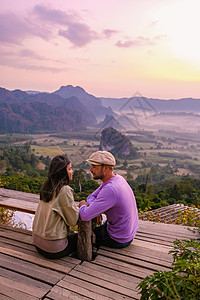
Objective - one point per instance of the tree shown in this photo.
(79, 178)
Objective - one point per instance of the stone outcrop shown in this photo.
(117, 143)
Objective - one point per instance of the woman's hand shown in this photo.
(83, 202)
(99, 219)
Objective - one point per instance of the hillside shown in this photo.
(92, 103)
(36, 117)
(21, 112)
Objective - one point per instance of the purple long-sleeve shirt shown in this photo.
(115, 198)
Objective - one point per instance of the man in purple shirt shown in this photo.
(115, 198)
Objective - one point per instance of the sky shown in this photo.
(110, 48)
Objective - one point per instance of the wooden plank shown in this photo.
(44, 287)
(25, 279)
(115, 274)
(4, 241)
(67, 261)
(36, 260)
(14, 293)
(30, 270)
(158, 237)
(131, 254)
(18, 244)
(8, 228)
(151, 246)
(122, 267)
(152, 240)
(171, 229)
(138, 251)
(16, 235)
(60, 293)
(108, 285)
(133, 261)
(19, 195)
(88, 289)
(89, 292)
(19, 286)
(17, 204)
(4, 297)
(105, 274)
(166, 236)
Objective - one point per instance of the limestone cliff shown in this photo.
(117, 143)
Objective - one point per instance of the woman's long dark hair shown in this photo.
(53, 185)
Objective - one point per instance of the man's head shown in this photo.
(102, 163)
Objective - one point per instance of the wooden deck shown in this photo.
(113, 274)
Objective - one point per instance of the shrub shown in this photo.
(183, 282)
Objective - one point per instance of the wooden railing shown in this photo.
(27, 202)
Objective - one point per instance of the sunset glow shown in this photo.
(110, 48)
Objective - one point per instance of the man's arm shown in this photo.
(99, 217)
(93, 196)
(105, 200)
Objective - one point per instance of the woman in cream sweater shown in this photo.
(56, 211)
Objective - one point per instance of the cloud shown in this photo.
(109, 32)
(138, 42)
(14, 29)
(75, 30)
(30, 54)
(79, 34)
(47, 23)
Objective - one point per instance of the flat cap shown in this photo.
(102, 158)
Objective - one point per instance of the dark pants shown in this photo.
(103, 238)
(71, 247)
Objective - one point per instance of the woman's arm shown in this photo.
(67, 207)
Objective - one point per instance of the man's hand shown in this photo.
(83, 202)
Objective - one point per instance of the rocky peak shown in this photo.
(117, 143)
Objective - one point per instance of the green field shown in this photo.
(182, 150)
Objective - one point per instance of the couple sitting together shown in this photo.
(57, 211)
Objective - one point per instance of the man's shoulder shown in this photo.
(118, 178)
(115, 182)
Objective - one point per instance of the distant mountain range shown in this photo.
(150, 104)
(73, 109)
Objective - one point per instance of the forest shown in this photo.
(159, 187)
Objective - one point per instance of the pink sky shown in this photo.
(110, 48)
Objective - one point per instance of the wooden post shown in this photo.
(84, 245)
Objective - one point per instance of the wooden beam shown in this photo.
(84, 246)
(19, 205)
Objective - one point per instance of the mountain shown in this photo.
(92, 103)
(13, 119)
(116, 142)
(153, 105)
(77, 105)
(36, 117)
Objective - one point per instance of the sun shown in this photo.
(180, 22)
